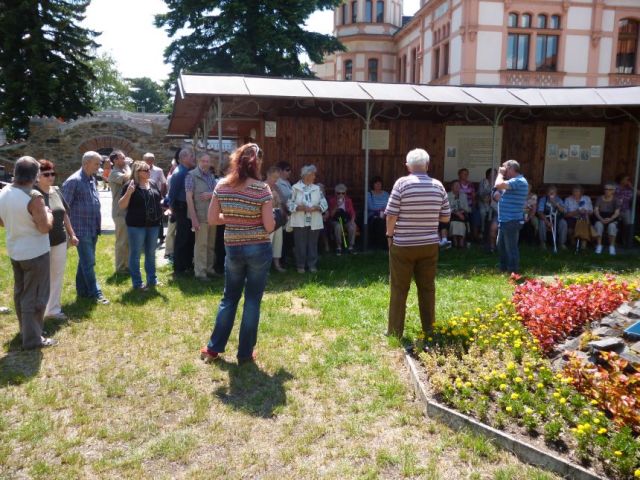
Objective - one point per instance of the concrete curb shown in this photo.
(525, 452)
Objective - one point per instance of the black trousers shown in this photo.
(185, 240)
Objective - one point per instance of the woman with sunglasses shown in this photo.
(142, 199)
(243, 204)
(58, 235)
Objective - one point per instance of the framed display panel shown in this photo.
(574, 155)
(470, 147)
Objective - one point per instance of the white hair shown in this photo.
(307, 169)
(418, 158)
(148, 155)
(90, 155)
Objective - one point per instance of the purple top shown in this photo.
(81, 194)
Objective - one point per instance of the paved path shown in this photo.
(108, 227)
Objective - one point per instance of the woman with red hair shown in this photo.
(243, 204)
(58, 235)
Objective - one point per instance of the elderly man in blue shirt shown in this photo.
(510, 191)
(80, 191)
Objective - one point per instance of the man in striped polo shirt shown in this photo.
(416, 204)
(511, 189)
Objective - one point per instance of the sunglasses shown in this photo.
(48, 174)
(259, 153)
(144, 170)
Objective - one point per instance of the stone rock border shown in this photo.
(525, 452)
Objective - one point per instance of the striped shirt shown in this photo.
(513, 200)
(242, 211)
(418, 201)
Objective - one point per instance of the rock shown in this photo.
(631, 357)
(610, 321)
(569, 345)
(635, 347)
(605, 332)
(623, 309)
(607, 344)
(634, 313)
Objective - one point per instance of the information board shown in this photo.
(574, 155)
(378, 139)
(470, 147)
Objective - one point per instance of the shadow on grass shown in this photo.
(17, 367)
(137, 297)
(190, 286)
(118, 279)
(252, 390)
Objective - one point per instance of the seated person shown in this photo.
(550, 209)
(377, 200)
(323, 239)
(484, 188)
(578, 208)
(488, 210)
(624, 195)
(343, 219)
(460, 211)
(607, 214)
(530, 228)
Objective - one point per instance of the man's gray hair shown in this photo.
(148, 155)
(418, 157)
(185, 152)
(307, 169)
(512, 164)
(202, 153)
(25, 170)
(90, 155)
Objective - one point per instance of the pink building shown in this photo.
(570, 43)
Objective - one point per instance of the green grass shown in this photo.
(125, 395)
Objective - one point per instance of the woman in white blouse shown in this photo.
(306, 204)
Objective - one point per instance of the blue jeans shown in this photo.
(245, 267)
(86, 283)
(142, 238)
(508, 236)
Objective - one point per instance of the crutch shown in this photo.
(553, 216)
(344, 236)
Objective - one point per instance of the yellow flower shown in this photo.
(556, 394)
(509, 409)
(503, 386)
(430, 339)
(602, 431)
(525, 370)
(517, 380)
(594, 402)
(617, 453)
(596, 421)
(503, 376)
(563, 400)
(514, 396)
(585, 412)
(637, 473)
(528, 411)
(511, 366)
(540, 385)
(467, 384)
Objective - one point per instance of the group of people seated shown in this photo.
(575, 221)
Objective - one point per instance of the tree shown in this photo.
(146, 94)
(44, 59)
(109, 91)
(244, 36)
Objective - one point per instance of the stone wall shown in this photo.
(65, 142)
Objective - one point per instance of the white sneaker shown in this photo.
(612, 250)
(57, 316)
(598, 249)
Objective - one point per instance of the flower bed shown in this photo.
(486, 364)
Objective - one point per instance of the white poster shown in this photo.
(472, 148)
(579, 158)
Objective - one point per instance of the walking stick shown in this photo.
(344, 236)
(553, 217)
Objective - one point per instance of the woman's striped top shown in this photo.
(242, 211)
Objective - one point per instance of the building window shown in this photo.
(525, 21)
(547, 53)
(513, 20)
(436, 63)
(627, 46)
(554, 22)
(373, 70)
(380, 12)
(445, 59)
(404, 69)
(344, 13)
(348, 70)
(542, 21)
(518, 52)
(368, 11)
(354, 12)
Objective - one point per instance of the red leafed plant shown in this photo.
(552, 311)
(615, 390)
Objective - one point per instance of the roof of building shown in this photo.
(199, 86)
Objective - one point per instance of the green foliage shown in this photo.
(43, 62)
(147, 95)
(109, 91)
(250, 37)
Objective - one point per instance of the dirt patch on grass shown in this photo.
(300, 306)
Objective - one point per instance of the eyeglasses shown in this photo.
(48, 174)
(341, 193)
(146, 170)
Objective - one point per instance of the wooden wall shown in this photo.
(334, 146)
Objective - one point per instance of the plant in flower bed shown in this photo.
(486, 364)
(553, 311)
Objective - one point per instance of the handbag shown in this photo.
(279, 217)
(583, 229)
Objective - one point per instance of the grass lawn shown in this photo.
(124, 394)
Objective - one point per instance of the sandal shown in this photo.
(208, 356)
